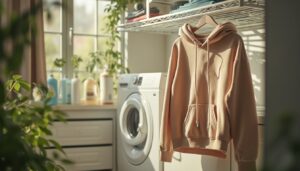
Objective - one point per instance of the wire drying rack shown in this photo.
(242, 13)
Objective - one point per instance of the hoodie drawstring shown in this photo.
(208, 85)
(196, 88)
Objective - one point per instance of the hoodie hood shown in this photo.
(220, 31)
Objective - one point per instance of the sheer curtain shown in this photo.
(33, 66)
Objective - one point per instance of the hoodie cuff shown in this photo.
(166, 156)
(246, 166)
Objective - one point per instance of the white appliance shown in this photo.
(138, 121)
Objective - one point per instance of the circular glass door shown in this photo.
(136, 129)
(133, 120)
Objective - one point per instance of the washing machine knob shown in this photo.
(135, 80)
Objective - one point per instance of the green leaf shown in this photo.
(59, 62)
(17, 87)
(24, 84)
(57, 145)
(55, 155)
(67, 161)
(16, 77)
(46, 130)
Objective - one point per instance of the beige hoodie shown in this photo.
(209, 97)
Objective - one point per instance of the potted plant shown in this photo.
(102, 62)
(25, 132)
(75, 82)
(110, 60)
(76, 60)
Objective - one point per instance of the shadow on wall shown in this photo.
(254, 40)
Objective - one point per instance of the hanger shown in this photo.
(206, 19)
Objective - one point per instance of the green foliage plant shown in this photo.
(112, 58)
(24, 126)
(59, 63)
(76, 60)
(34, 120)
(94, 62)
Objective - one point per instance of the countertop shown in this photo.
(86, 106)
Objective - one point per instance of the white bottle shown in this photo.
(90, 89)
(75, 90)
(106, 88)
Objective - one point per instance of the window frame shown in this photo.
(67, 35)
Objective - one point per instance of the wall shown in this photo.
(145, 52)
(283, 83)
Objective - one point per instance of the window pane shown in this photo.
(83, 45)
(53, 49)
(54, 24)
(101, 16)
(85, 16)
(102, 46)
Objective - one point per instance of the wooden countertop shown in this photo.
(89, 105)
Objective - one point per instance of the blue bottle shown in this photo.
(69, 83)
(66, 90)
(52, 86)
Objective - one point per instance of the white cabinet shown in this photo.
(87, 137)
(91, 132)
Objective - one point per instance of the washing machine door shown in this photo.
(135, 123)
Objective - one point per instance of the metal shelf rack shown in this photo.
(243, 13)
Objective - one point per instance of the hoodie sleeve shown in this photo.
(242, 112)
(166, 145)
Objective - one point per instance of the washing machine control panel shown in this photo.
(141, 81)
(137, 81)
(132, 81)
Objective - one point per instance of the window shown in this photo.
(53, 40)
(77, 28)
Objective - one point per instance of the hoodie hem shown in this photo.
(205, 146)
(166, 156)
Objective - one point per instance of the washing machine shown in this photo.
(140, 100)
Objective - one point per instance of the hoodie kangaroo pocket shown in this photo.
(199, 123)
